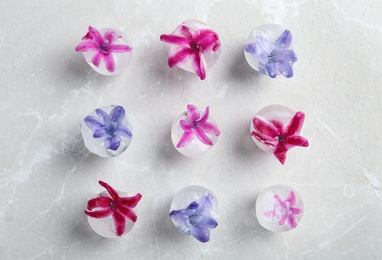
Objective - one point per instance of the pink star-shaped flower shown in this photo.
(119, 207)
(279, 138)
(103, 46)
(194, 124)
(192, 45)
(284, 210)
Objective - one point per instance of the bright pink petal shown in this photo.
(87, 46)
(111, 36)
(260, 138)
(185, 31)
(280, 153)
(283, 219)
(109, 62)
(179, 57)
(186, 138)
(201, 135)
(174, 39)
(291, 198)
(114, 195)
(103, 213)
(186, 126)
(292, 221)
(279, 126)
(269, 214)
(206, 39)
(128, 213)
(119, 223)
(97, 59)
(295, 124)
(204, 118)
(297, 141)
(295, 211)
(267, 131)
(131, 201)
(193, 113)
(198, 65)
(118, 48)
(99, 202)
(210, 128)
(95, 35)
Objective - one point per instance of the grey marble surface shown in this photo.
(47, 175)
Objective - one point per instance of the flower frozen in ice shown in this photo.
(192, 45)
(196, 125)
(284, 210)
(281, 139)
(119, 207)
(103, 47)
(110, 126)
(196, 219)
(273, 57)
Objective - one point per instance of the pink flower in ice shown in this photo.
(194, 124)
(192, 46)
(284, 210)
(279, 138)
(103, 47)
(119, 207)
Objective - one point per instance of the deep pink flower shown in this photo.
(284, 210)
(193, 125)
(192, 45)
(119, 207)
(102, 46)
(279, 138)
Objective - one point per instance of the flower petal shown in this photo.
(250, 48)
(185, 139)
(117, 114)
(280, 153)
(297, 141)
(210, 129)
(123, 130)
(113, 142)
(283, 218)
(185, 31)
(291, 199)
(96, 59)
(264, 48)
(103, 116)
(285, 68)
(209, 222)
(99, 133)
(201, 233)
(264, 129)
(193, 205)
(103, 213)
(93, 122)
(295, 211)
(118, 48)
(87, 46)
(99, 202)
(284, 40)
(292, 221)
(287, 56)
(131, 201)
(186, 126)
(95, 35)
(109, 62)
(128, 213)
(193, 113)
(181, 221)
(206, 39)
(197, 62)
(179, 57)
(119, 223)
(113, 193)
(295, 124)
(111, 35)
(263, 139)
(201, 135)
(174, 39)
(204, 118)
(271, 69)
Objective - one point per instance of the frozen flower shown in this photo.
(275, 56)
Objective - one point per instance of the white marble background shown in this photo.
(47, 175)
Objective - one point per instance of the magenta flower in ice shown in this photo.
(279, 138)
(103, 47)
(110, 126)
(192, 46)
(284, 210)
(273, 57)
(196, 125)
(119, 207)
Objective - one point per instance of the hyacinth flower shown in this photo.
(284, 211)
(192, 44)
(104, 48)
(272, 57)
(278, 137)
(120, 208)
(196, 219)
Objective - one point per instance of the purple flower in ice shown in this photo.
(109, 125)
(275, 56)
(193, 125)
(103, 47)
(284, 210)
(196, 219)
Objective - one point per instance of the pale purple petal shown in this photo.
(93, 122)
(113, 142)
(271, 69)
(208, 222)
(103, 115)
(204, 118)
(264, 48)
(96, 59)
(117, 114)
(174, 39)
(123, 130)
(285, 68)
(210, 128)
(251, 48)
(179, 57)
(99, 133)
(185, 139)
(201, 233)
(202, 136)
(87, 46)
(193, 205)
(198, 65)
(284, 40)
(118, 48)
(287, 56)
(109, 62)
